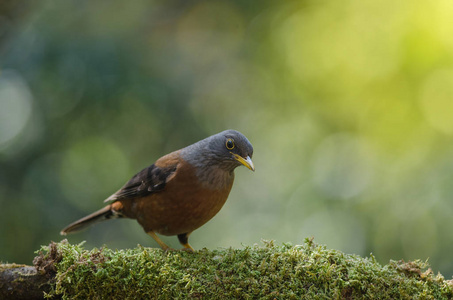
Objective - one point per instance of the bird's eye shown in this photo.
(229, 144)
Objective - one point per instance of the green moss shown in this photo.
(270, 271)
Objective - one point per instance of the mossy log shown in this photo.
(307, 271)
(30, 282)
(23, 282)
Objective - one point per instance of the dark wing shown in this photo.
(149, 180)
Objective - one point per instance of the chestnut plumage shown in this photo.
(181, 191)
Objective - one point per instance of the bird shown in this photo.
(180, 191)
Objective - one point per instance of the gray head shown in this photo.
(227, 150)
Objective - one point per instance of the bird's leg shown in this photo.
(184, 240)
(158, 240)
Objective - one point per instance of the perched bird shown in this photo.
(181, 191)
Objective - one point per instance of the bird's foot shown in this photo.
(187, 248)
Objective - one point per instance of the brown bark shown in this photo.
(23, 282)
(29, 282)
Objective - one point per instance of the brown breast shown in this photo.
(183, 206)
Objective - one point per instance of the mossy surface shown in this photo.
(307, 271)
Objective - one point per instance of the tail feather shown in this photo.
(98, 216)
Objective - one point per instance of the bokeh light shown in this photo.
(16, 104)
(89, 169)
(436, 100)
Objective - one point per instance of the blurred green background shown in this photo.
(348, 104)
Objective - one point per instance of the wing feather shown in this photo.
(149, 180)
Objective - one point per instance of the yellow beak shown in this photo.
(245, 161)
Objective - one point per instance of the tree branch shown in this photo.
(23, 282)
(269, 271)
